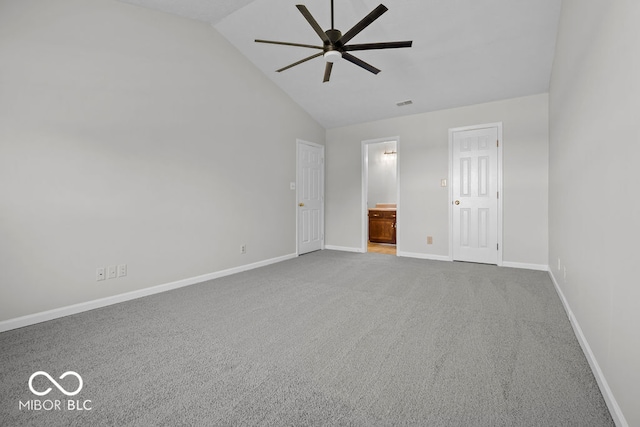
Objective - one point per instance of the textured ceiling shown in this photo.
(464, 51)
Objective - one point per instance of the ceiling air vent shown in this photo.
(403, 103)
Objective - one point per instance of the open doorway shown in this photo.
(380, 184)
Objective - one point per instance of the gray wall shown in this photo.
(594, 207)
(132, 136)
(423, 157)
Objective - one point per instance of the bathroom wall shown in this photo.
(382, 179)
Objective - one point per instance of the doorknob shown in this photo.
(301, 204)
(457, 202)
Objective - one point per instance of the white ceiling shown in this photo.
(464, 51)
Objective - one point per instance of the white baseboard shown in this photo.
(612, 404)
(20, 322)
(526, 266)
(424, 256)
(343, 248)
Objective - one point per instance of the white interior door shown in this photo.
(310, 185)
(474, 182)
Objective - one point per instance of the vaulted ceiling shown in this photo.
(464, 51)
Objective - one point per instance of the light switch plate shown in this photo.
(122, 270)
(111, 272)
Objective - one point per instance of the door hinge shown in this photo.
(497, 194)
(497, 143)
(497, 246)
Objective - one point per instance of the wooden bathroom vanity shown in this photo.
(382, 223)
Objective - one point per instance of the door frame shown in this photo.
(322, 186)
(498, 126)
(365, 186)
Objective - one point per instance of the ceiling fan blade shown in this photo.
(385, 45)
(360, 63)
(366, 21)
(305, 12)
(301, 61)
(327, 72)
(289, 44)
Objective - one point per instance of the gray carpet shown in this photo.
(329, 338)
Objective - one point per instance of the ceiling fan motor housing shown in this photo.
(334, 37)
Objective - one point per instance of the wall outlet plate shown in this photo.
(122, 270)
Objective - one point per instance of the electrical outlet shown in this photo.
(429, 240)
(243, 249)
(100, 274)
(122, 270)
(111, 272)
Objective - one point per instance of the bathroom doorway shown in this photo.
(380, 195)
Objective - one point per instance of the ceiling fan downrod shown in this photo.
(332, 26)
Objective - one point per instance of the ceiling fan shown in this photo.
(335, 43)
